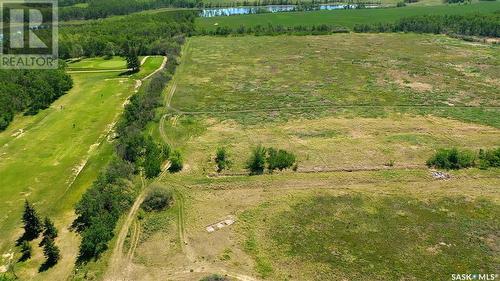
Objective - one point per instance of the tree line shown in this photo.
(29, 91)
(96, 9)
(455, 159)
(154, 34)
(469, 25)
(275, 29)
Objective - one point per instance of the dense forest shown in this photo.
(469, 25)
(29, 91)
(151, 33)
(95, 9)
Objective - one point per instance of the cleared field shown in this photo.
(53, 157)
(253, 79)
(339, 225)
(346, 18)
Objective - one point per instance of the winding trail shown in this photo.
(117, 262)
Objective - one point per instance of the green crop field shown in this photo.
(53, 157)
(345, 18)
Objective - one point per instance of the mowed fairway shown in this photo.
(345, 18)
(51, 158)
(362, 113)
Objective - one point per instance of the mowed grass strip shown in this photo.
(266, 77)
(360, 236)
(92, 64)
(345, 18)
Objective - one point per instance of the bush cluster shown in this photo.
(270, 158)
(454, 159)
(157, 199)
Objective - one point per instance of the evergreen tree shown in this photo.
(32, 223)
(109, 51)
(25, 251)
(49, 232)
(51, 252)
(133, 62)
(257, 162)
(222, 159)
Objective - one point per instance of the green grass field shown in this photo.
(345, 74)
(53, 157)
(361, 236)
(345, 18)
(116, 63)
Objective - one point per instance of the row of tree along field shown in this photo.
(94, 9)
(136, 152)
(487, 25)
(469, 25)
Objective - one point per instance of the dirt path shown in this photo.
(117, 262)
(157, 70)
(330, 170)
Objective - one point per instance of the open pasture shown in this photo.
(250, 79)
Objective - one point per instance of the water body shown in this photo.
(218, 12)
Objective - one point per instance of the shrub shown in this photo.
(489, 158)
(257, 162)
(175, 162)
(452, 159)
(215, 277)
(279, 159)
(157, 199)
(222, 159)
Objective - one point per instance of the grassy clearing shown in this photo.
(345, 18)
(375, 237)
(51, 158)
(262, 204)
(368, 75)
(328, 142)
(151, 64)
(116, 63)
